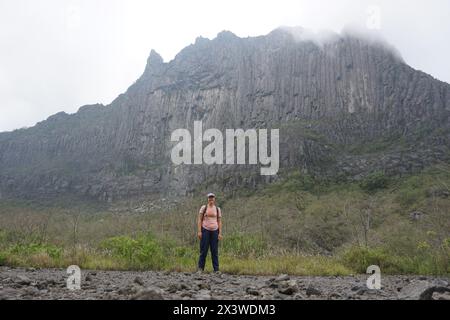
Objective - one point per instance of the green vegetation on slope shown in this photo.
(298, 225)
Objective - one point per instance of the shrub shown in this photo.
(411, 192)
(142, 252)
(3, 258)
(244, 245)
(374, 182)
(423, 261)
(359, 258)
(30, 249)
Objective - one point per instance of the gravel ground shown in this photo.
(19, 283)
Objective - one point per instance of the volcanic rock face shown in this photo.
(331, 101)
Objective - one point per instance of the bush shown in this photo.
(423, 261)
(183, 252)
(3, 258)
(411, 192)
(374, 182)
(142, 252)
(244, 245)
(297, 181)
(359, 258)
(31, 249)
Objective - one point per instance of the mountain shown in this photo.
(346, 106)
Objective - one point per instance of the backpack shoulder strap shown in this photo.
(217, 212)
(204, 211)
(205, 207)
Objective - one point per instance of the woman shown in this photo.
(209, 225)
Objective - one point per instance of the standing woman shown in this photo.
(209, 226)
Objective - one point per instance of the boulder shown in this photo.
(150, 293)
(421, 290)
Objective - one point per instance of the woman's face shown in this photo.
(211, 200)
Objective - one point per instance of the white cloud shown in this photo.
(59, 55)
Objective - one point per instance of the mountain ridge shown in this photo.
(338, 94)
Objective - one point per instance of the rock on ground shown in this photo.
(18, 283)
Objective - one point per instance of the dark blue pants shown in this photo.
(210, 239)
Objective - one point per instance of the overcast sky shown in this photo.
(57, 55)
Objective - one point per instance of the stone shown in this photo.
(138, 280)
(120, 285)
(8, 294)
(204, 285)
(441, 283)
(186, 294)
(421, 290)
(202, 295)
(413, 290)
(289, 290)
(282, 277)
(150, 293)
(174, 287)
(335, 295)
(441, 293)
(23, 280)
(252, 291)
(311, 291)
(440, 296)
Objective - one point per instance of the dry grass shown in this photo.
(287, 227)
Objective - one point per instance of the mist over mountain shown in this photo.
(346, 105)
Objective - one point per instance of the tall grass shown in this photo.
(298, 225)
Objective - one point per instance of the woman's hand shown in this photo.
(199, 235)
(220, 236)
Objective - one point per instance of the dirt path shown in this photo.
(18, 283)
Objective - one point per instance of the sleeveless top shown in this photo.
(210, 217)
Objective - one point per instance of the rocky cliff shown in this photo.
(346, 106)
